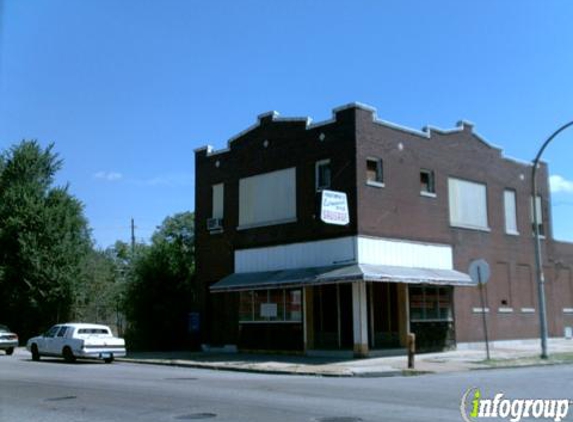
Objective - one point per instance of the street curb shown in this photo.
(197, 365)
(528, 365)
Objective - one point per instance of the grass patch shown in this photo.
(554, 359)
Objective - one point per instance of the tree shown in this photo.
(99, 289)
(44, 238)
(160, 291)
(100, 296)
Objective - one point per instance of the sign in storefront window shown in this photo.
(294, 305)
(278, 305)
(275, 305)
(260, 298)
(430, 303)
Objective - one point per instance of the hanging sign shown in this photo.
(334, 208)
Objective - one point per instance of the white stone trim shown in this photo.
(527, 310)
(374, 184)
(480, 310)
(470, 227)
(428, 194)
(505, 310)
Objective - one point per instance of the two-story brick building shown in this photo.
(421, 206)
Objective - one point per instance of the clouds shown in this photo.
(108, 176)
(559, 184)
(171, 180)
(162, 180)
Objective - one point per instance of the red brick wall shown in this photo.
(394, 211)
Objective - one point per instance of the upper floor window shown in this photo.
(218, 195)
(268, 198)
(468, 204)
(539, 216)
(509, 205)
(323, 174)
(427, 183)
(374, 172)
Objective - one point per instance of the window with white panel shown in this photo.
(468, 204)
(218, 204)
(539, 210)
(509, 205)
(268, 198)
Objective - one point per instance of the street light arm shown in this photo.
(538, 259)
(542, 149)
(534, 174)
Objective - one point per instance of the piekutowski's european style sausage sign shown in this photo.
(334, 208)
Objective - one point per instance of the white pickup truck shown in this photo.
(75, 340)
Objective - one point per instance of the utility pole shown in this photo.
(132, 236)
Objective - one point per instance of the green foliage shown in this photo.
(160, 290)
(100, 288)
(44, 238)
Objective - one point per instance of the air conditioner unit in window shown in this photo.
(214, 224)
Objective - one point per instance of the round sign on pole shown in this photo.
(480, 274)
(479, 271)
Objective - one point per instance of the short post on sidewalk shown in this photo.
(411, 344)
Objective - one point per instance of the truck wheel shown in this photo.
(68, 355)
(9, 351)
(35, 353)
(108, 360)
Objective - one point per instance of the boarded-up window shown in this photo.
(218, 194)
(510, 211)
(501, 285)
(468, 204)
(524, 286)
(539, 210)
(268, 198)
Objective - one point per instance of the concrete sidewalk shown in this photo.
(512, 353)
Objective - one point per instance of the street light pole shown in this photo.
(538, 259)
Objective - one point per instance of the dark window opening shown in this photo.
(323, 175)
(427, 182)
(374, 171)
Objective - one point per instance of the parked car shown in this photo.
(77, 340)
(8, 340)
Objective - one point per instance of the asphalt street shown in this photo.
(51, 390)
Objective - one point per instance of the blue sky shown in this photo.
(128, 89)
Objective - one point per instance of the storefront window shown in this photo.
(246, 312)
(277, 305)
(429, 303)
(445, 304)
(260, 305)
(416, 303)
(294, 305)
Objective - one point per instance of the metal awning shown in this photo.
(300, 277)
